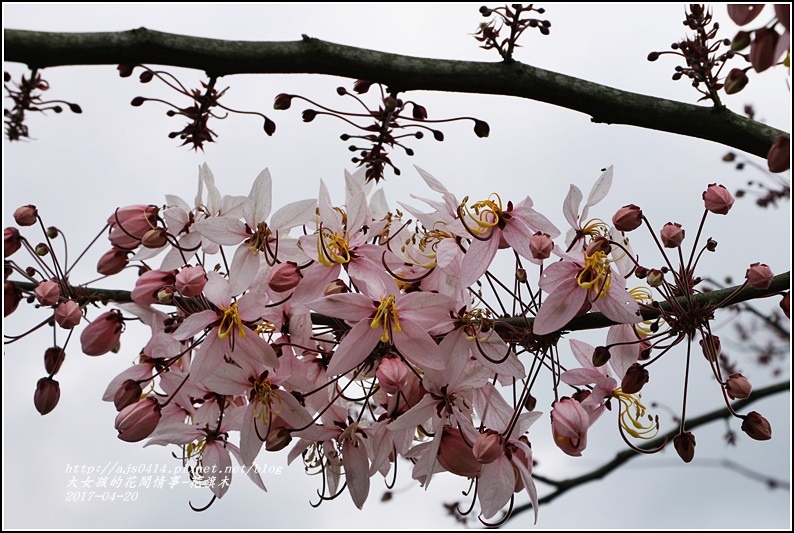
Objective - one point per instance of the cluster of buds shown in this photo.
(704, 63)
(204, 103)
(513, 17)
(388, 129)
(26, 95)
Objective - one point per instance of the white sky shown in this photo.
(79, 168)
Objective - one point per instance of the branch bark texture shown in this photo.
(404, 73)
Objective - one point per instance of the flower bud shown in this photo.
(736, 81)
(27, 215)
(53, 359)
(541, 245)
(530, 403)
(103, 334)
(740, 41)
(283, 101)
(756, 426)
(42, 249)
(68, 314)
(392, 375)
(47, 292)
(137, 421)
(154, 238)
(12, 241)
(759, 276)
(521, 273)
(190, 281)
(628, 218)
(11, 297)
(481, 128)
(455, 455)
(743, 14)
(47, 394)
(569, 425)
(763, 51)
(738, 387)
(601, 356)
(285, 277)
(717, 199)
(488, 447)
(779, 157)
(635, 378)
(685, 446)
(362, 86)
(672, 235)
(654, 277)
(711, 346)
(277, 439)
(598, 244)
(127, 394)
(129, 224)
(335, 287)
(785, 304)
(112, 262)
(148, 285)
(53, 232)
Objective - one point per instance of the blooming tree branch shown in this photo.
(403, 73)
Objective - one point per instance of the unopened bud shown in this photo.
(740, 41)
(285, 277)
(601, 356)
(278, 439)
(763, 51)
(283, 101)
(628, 218)
(137, 421)
(672, 235)
(128, 394)
(636, 377)
(521, 275)
(488, 447)
(154, 238)
(47, 394)
(481, 129)
(717, 199)
(736, 81)
(738, 387)
(711, 346)
(12, 241)
(756, 426)
(68, 314)
(685, 446)
(779, 157)
(335, 287)
(541, 245)
(103, 334)
(48, 292)
(655, 277)
(53, 359)
(27, 215)
(42, 249)
(190, 281)
(112, 262)
(759, 276)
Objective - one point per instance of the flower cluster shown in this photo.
(357, 336)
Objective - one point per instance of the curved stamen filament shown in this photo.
(387, 312)
(486, 214)
(631, 413)
(596, 274)
(333, 247)
(231, 319)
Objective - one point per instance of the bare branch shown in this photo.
(312, 56)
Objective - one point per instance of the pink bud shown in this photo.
(190, 281)
(12, 241)
(488, 447)
(672, 235)
(685, 446)
(635, 379)
(738, 387)
(137, 421)
(11, 297)
(628, 218)
(48, 292)
(759, 276)
(68, 314)
(569, 425)
(779, 157)
(756, 426)
(711, 346)
(112, 262)
(736, 81)
(763, 51)
(148, 285)
(284, 277)
(128, 394)
(103, 334)
(717, 199)
(455, 455)
(47, 394)
(392, 375)
(541, 245)
(53, 359)
(129, 224)
(154, 238)
(27, 215)
(278, 437)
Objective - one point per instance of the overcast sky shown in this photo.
(78, 169)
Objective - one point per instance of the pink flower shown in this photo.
(399, 320)
(103, 334)
(229, 334)
(569, 425)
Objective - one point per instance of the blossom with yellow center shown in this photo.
(230, 320)
(487, 214)
(596, 273)
(387, 312)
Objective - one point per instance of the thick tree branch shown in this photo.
(563, 486)
(313, 56)
(780, 283)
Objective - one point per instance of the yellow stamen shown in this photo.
(260, 238)
(387, 312)
(595, 227)
(333, 247)
(487, 213)
(267, 403)
(596, 274)
(631, 411)
(231, 319)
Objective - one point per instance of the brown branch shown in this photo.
(563, 486)
(312, 56)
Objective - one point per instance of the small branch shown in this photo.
(563, 486)
(312, 56)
